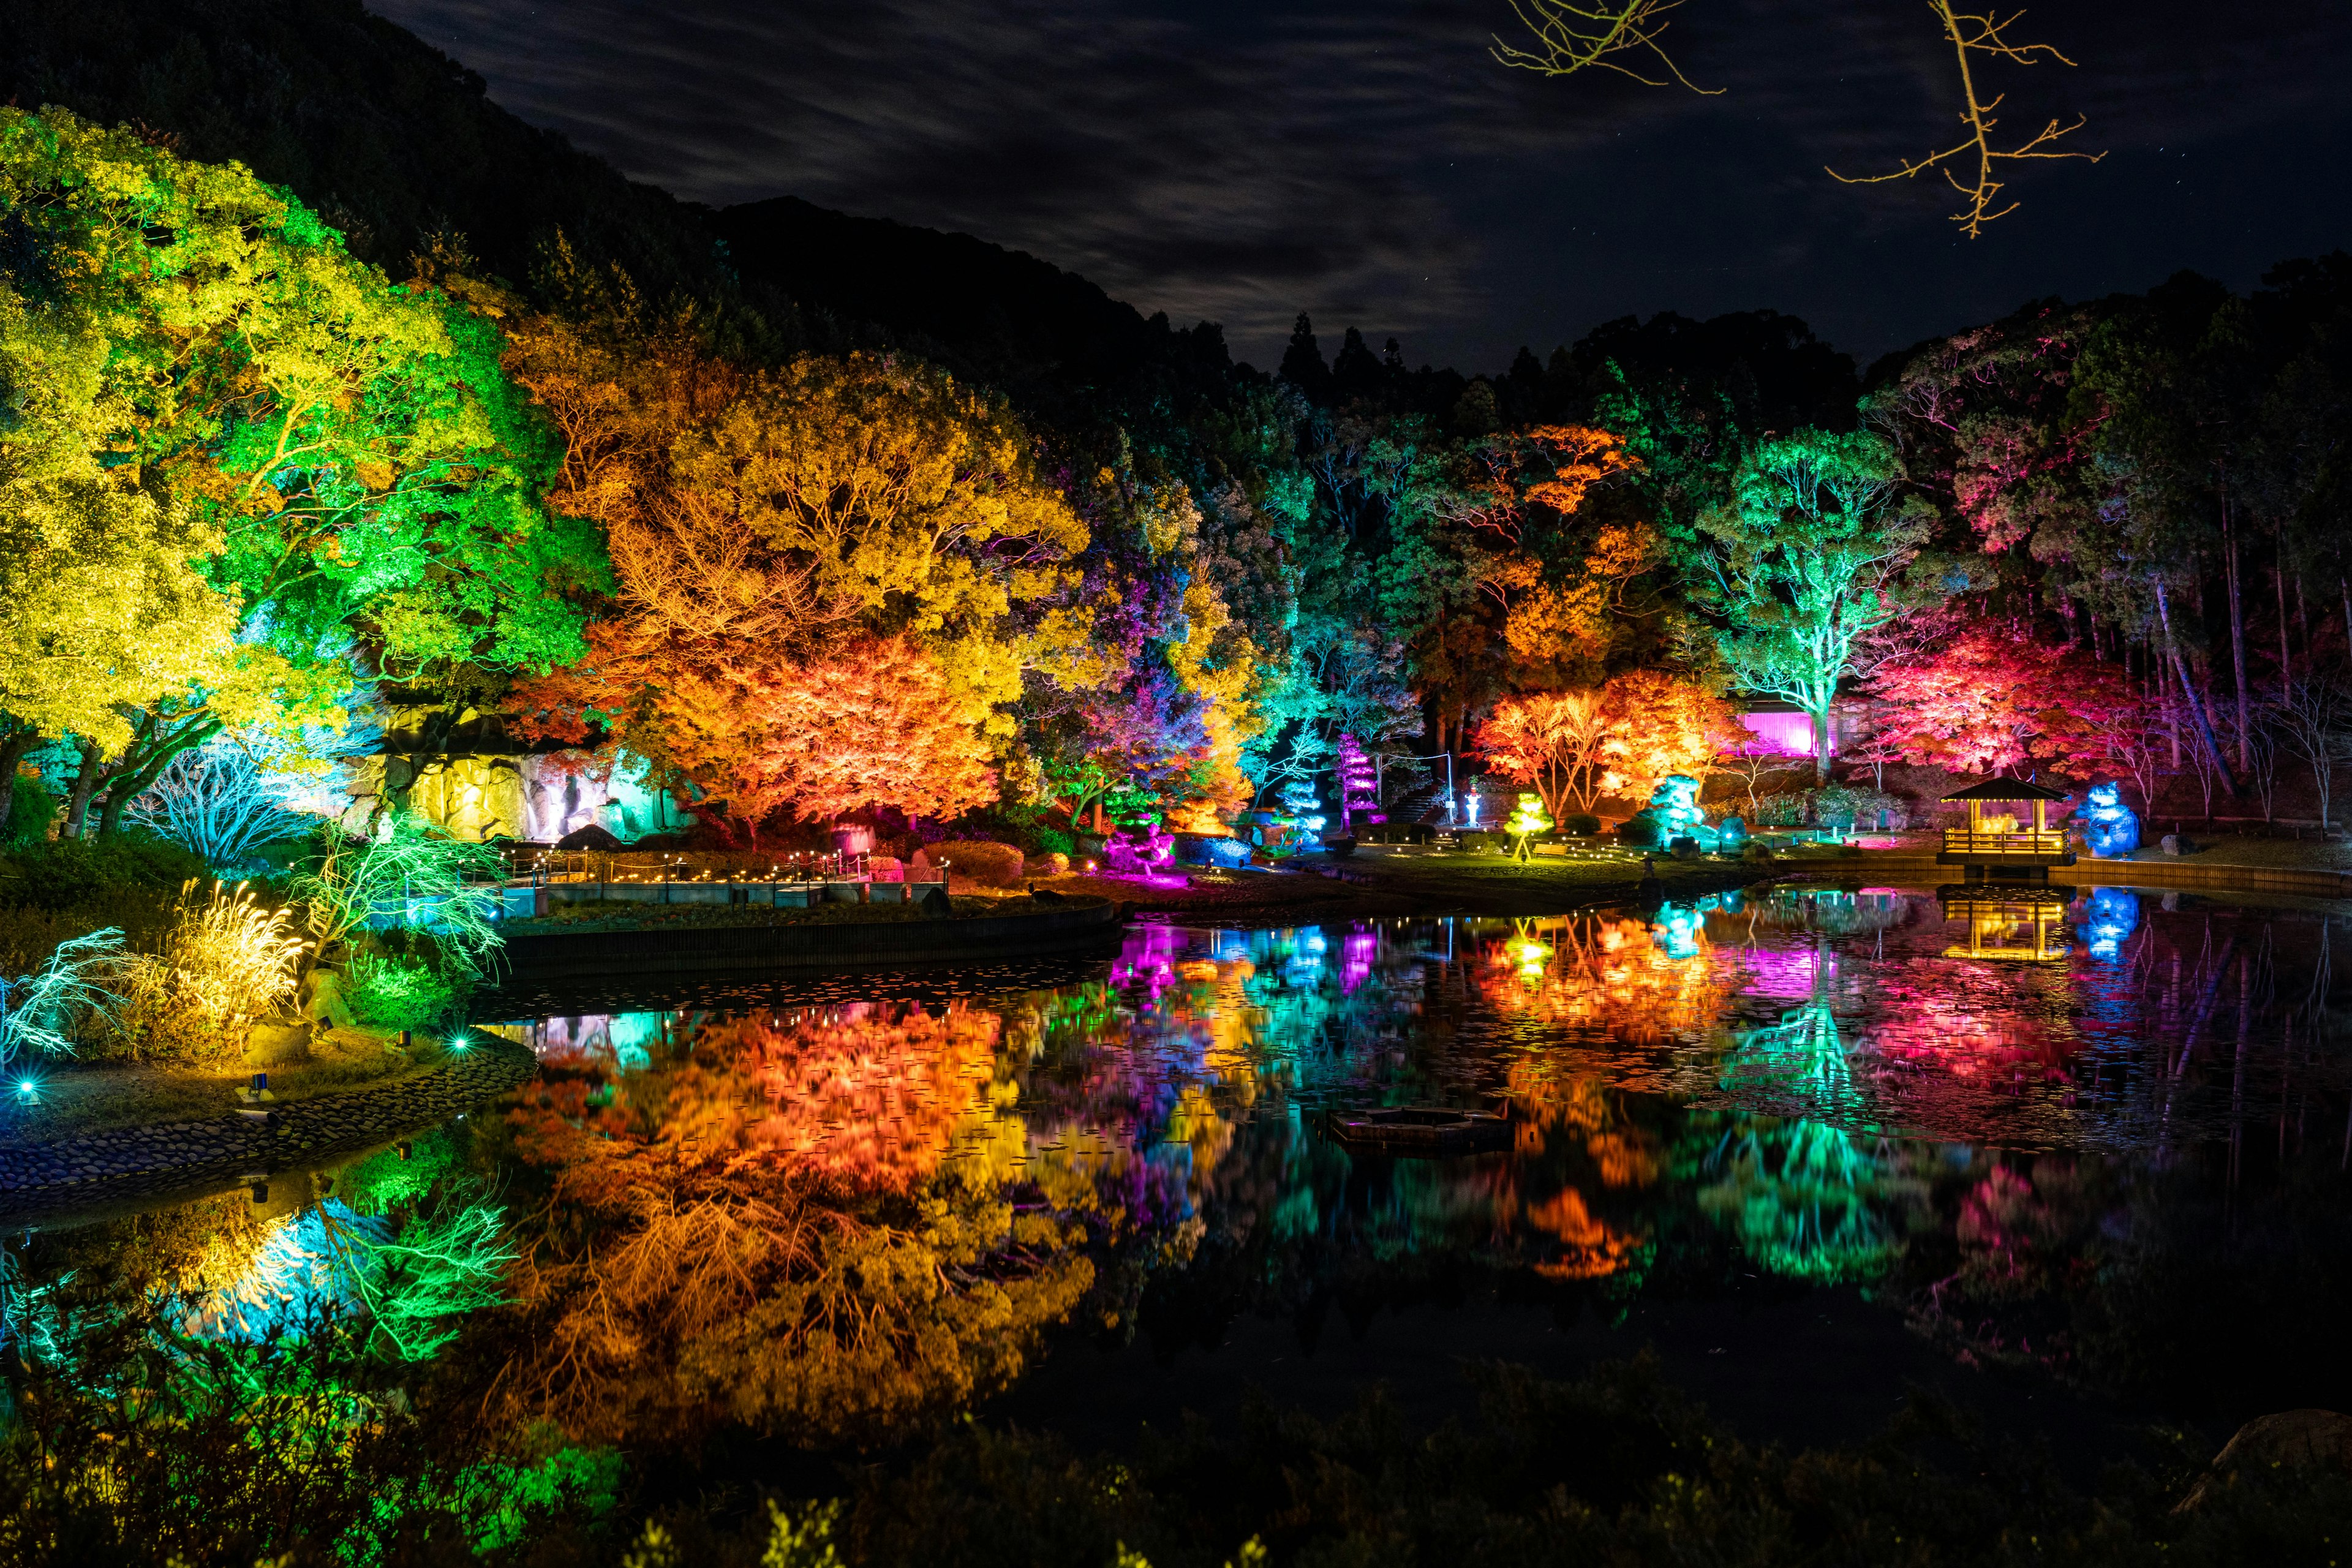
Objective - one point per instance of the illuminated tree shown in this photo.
(1986, 701)
(1553, 741)
(1802, 563)
(340, 459)
(1979, 36)
(1661, 724)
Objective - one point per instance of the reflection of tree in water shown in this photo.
(1798, 1195)
(765, 1225)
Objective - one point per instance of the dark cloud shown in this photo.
(1373, 165)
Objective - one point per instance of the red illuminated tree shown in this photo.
(1990, 701)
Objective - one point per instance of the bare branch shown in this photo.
(1973, 34)
(1571, 37)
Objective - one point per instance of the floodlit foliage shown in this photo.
(1803, 562)
(824, 573)
(411, 876)
(1554, 740)
(74, 994)
(219, 802)
(247, 453)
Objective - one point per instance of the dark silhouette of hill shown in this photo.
(1001, 315)
(389, 139)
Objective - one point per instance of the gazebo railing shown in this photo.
(1960, 841)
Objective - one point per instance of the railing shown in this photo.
(1960, 841)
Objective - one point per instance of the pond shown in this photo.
(2076, 1164)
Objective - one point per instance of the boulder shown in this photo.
(278, 1042)
(1053, 863)
(323, 1002)
(2176, 844)
(932, 897)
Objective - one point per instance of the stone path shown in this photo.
(124, 1162)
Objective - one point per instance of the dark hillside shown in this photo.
(388, 138)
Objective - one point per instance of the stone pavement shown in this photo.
(126, 1163)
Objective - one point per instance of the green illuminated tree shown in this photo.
(1802, 561)
(218, 385)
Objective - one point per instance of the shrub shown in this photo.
(226, 962)
(1056, 841)
(1053, 864)
(412, 878)
(218, 802)
(990, 865)
(1579, 824)
(73, 996)
(68, 872)
(30, 812)
(400, 991)
(1639, 830)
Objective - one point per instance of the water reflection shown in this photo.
(1780, 1073)
(831, 1208)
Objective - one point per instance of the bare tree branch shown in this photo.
(1571, 37)
(1981, 35)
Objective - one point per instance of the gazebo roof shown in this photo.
(2008, 790)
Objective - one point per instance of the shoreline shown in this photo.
(82, 1176)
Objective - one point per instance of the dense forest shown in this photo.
(816, 514)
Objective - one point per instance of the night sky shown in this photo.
(1371, 164)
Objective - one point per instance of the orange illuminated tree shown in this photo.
(1552, 740)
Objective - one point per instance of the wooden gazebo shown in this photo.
(1996, 845)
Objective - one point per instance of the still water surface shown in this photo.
(1814, 1146)
(2077, 1168)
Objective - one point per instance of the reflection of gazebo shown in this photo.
(1995, 845)
(2014, 923)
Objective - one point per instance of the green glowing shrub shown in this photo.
(396, 990)
(411, 876)
(30, 808)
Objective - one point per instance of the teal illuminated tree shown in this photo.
(1801, 563)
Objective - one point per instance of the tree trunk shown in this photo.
(2188, 695)
(13, 744)
(2286, 659)
(2238, 639)
(85, 784)
(1820, 748)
